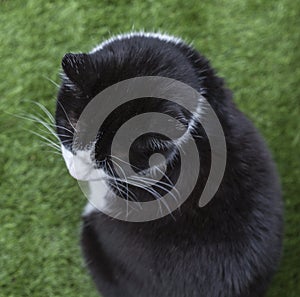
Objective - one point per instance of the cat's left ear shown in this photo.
(79, 69)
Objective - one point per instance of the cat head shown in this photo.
(87, 74)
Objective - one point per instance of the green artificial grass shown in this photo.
(253, 44)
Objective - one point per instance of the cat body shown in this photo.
(230, 247)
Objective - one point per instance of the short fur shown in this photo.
(229, 248)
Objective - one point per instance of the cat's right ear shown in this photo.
(79, 69)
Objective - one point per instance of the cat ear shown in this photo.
(79, 69)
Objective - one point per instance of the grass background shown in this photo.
(254, 44)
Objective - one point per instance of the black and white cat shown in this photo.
(229, 248)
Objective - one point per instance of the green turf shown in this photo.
(254, 44)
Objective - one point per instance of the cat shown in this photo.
(231, 247)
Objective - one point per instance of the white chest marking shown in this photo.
(82, 168)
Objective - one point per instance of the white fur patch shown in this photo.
(81, 167)
(160, 36)
(98, 192)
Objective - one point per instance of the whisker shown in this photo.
(34, 118)
(126, 182)
(153, 192)
(151, 180)
(53, 152)
(66, 115)
(118, 188)
(50, 130)
(113, 175)
(123, 173)
(158, 196)
(139, 177)
(121, 161)
(42, 107)
(64, 128)
(112, 156)
(157, 185)
(65, 141)
(50, 145)
(45, 138)
(48, 126)
(45, 110)
(52, 81)
(58, 134)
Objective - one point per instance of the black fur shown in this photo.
(229, 248)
